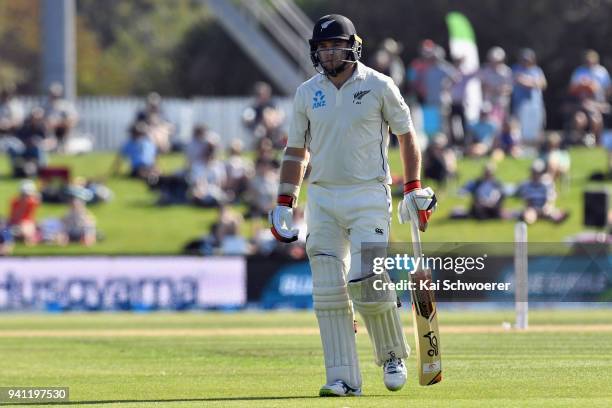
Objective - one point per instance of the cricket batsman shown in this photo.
(340, 124)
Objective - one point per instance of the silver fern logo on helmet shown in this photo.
(326, 24)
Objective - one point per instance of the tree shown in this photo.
(19, 44)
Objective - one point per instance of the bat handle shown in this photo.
(416, 238)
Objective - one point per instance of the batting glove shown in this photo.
(418, 204)
(281, 219)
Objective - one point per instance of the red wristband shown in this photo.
(411, 185)
(285, 200)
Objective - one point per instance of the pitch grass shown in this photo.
(132, 224)
(561, 368)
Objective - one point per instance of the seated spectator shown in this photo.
(11, 112)
(212, 243)
(201, 140)
(160, 129)
(239, 169)
(79, 225)
(61, 116)
(264, 150)
(27, 153)
(508, 140)
(140, 152)
(207, 179)
(6, 238)
(539, 195)
(487, 195)
(482, 135)
(54, 181)
(556, 160)
(97, 191)
(439, 161)
(261, 194)
(232, 243)
(22, 215)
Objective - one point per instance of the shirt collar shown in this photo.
(359, 73)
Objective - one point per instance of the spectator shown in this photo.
(263, 118)
(160, 129)
(387, 61)
(11, 112)
(27, 153)
(201, 140)
(527, 99)
(417, 69)
(457, 121)
(508, 140)
(438, 78)
(232, 243)
(487, 195)
(590, 87)
(79, 225)
(239, 169)
(556, 160)
(61, 116)
(208, 179)
(496, 80)
(54, 183)
(261, 194)
(482, 134)
(264, 150)
(22, 218)
(141, 153)
(539, 195)
(6, 238)
(224, 227)
(439, 160)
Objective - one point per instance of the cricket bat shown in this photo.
(424, 312)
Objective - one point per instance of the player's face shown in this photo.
(332, 53)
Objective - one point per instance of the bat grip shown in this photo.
(416, 238)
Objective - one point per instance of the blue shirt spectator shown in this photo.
(483, 131)
(520, 92)
(140, 151)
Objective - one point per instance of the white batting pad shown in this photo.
(335, 316)
(381, 316)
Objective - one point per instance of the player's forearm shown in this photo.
(411, 156)
(292, 171)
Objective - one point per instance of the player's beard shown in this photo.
(336, 63)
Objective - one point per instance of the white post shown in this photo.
(521, 290)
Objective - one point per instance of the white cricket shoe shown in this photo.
(395, 374)
(338, 389)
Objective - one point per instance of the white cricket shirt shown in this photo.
(347, 129)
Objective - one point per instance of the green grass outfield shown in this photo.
(132, 223)
(259, 359)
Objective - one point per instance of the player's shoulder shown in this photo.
(376, 80)
(373, 76)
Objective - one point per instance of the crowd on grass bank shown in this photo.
(241, 181)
